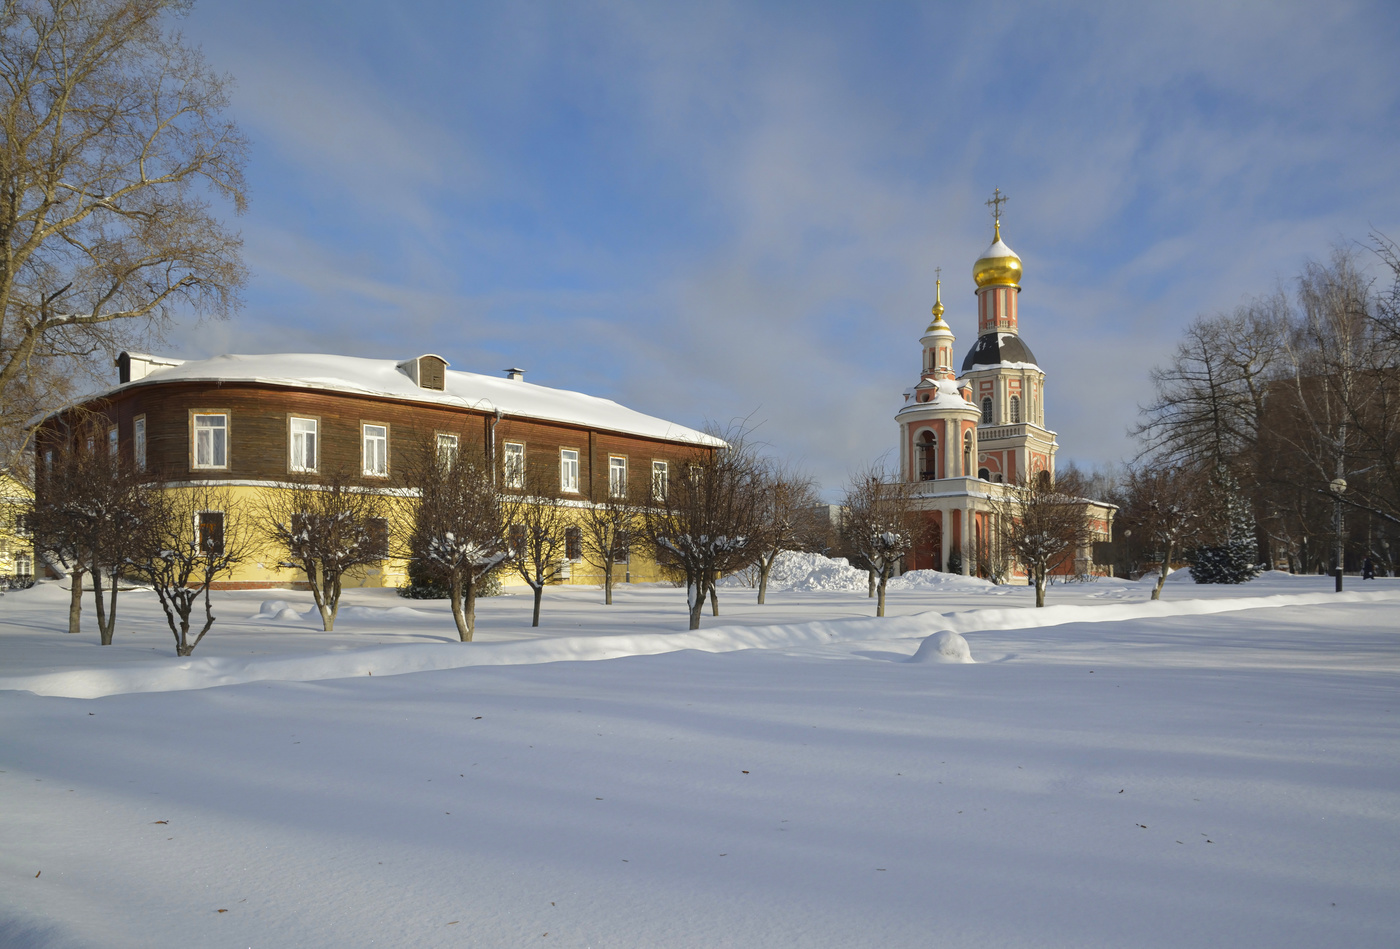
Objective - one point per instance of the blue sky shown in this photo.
(720, 211)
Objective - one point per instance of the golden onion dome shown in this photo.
(998, 265)
(938, 323)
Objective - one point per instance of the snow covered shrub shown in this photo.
(423, 585)
(1232, 555)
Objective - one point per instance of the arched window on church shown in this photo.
(986, 410)
(984, 473)
(928, 456)
(1015, 409)
(967, 454)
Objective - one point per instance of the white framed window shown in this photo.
(446, 449)
(660, 480)
(376, 449)
(138, 442)
(568, 469)
(303, 452)
(513, 465)
(1015, 409)
(967, 454)
(617, 476)
(210, 440)
(113, 441)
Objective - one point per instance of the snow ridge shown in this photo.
(167, 676)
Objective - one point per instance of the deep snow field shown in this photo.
(1220, 768)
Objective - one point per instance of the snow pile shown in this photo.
(814, 573)
(943, 646)
(938, 580)
(806, 573)
(279, 610)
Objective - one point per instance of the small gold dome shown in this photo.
(998, 265)
(937, 323)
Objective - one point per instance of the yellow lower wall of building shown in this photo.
(261, 569)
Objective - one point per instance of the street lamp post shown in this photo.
(1338, 486)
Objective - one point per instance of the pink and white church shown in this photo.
(964, 435)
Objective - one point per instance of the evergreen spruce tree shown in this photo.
(1233, 555)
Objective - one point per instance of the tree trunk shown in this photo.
(1040, 587)
(75, 600)
(695, 594)
(765, 566)
(459, 615)
(321, 593)
(880, 603)
(539, 595)
(1162, 576)
(870, 575)
(714, 598)
(106, 610)
(607, 583)
(469, 604)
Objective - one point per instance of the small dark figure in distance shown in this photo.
(1368, 569)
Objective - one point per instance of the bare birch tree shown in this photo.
(1162, 511)
(609, 531)
(1044, 521)
(787, 519)
(707, 518)
(190, 538)
(536, 525)
(91, 506)
(327, 527)
(112, 154)
(454, 529)
(881, 525)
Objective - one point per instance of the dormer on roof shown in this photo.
(428, 371)
(133, 366)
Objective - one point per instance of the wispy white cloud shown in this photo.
(711, 210)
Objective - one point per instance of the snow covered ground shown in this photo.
(1220, 768)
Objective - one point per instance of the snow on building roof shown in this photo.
(946, 395)
(383, 378)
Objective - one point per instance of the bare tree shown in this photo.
(111, 149)
(190, 538)
(608, 529)
(787, 519)
(1045, 523)
(1211, 395)
(90, 506)
(537, 532)
(1161, 509)
(881, 524)
(706, 518)
(327, 529)
(454, 530)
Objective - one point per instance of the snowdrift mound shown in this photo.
(815, 573)
(282, 611)
(937, 580)
(943, 646)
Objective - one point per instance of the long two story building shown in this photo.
(251, 423)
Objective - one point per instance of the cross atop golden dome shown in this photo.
(998, 265)
(938, 323)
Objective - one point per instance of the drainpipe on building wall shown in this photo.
(494, 422)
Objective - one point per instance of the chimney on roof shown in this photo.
(516, 374)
